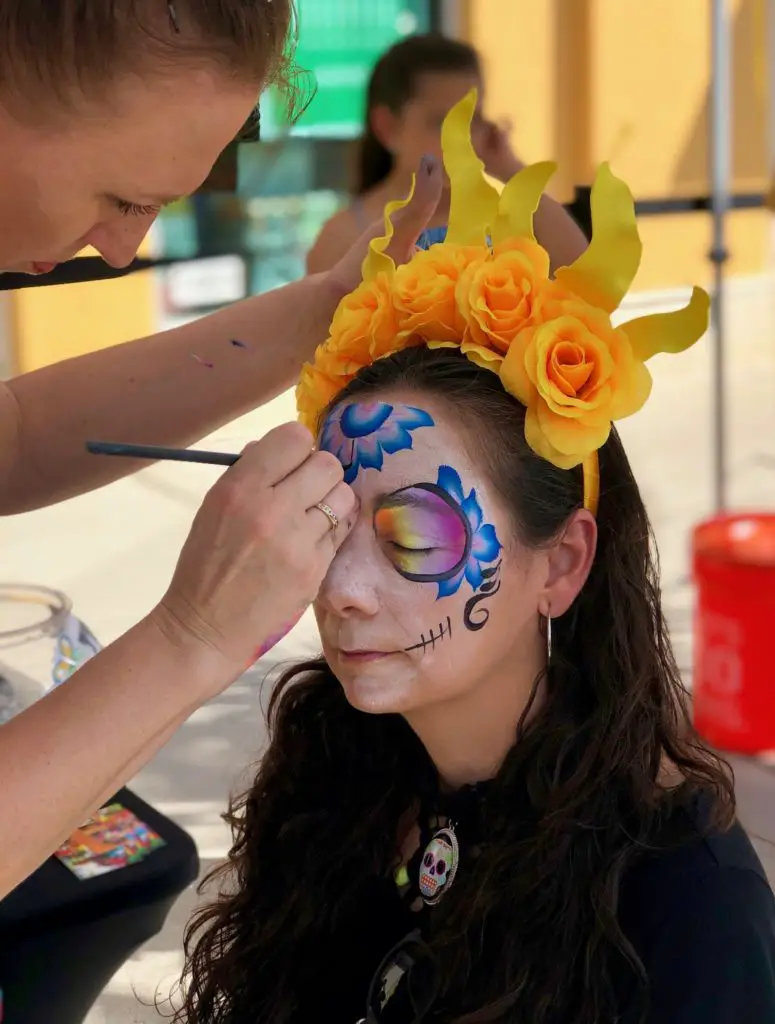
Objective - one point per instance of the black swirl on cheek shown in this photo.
(490, 586)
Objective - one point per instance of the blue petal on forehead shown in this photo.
(362, 433)
(360, 419)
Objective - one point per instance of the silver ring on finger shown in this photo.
(328, 512)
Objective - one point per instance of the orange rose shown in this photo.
(316, 389)
(424, 292)
(496, 293)
(575, 374)
(365, 325)
(552, 301)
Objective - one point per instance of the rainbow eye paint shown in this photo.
(424, 533)
(436, 533)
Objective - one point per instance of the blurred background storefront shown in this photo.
(581, 81)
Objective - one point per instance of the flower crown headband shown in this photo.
(487, 290)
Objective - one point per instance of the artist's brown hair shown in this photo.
(578, 799)
(59, 51)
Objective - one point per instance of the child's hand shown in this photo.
(498, 157)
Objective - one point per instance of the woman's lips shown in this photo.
(364, 656)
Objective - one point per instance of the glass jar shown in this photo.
(32, 619)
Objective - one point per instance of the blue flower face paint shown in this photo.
(485, 546)
(362, 433)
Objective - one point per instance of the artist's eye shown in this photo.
(133, 210)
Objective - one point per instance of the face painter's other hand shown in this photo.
(408, 224)
(258, 549)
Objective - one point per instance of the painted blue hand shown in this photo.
(431, 236)
(485, 546)
(360, 434)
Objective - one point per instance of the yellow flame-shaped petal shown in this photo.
(474, 202)
(603, 274)
(519, 201)
(670, 332)
(377, 260)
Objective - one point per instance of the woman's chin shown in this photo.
(375, 689)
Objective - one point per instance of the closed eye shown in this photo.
(413, 551)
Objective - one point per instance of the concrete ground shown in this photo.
(113, 553)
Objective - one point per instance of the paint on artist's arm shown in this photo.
(275, 638)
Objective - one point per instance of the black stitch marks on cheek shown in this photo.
(489, 588)
(433, 638)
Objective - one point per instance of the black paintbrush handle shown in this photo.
(156, 453)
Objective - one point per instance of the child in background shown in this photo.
(412, 88)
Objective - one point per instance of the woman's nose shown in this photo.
(349, 588)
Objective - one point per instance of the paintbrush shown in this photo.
(155, 453)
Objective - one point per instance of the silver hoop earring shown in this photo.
(548, 639)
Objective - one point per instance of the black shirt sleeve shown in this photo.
(713, 961)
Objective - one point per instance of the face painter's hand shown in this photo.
(258, 549)
(408, 223)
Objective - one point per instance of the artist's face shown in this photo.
(100, 178)
(431, 594)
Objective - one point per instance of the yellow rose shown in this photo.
(424, 292)
(496, 293)
(316, 389)
(575, 374)
(364, 327)
(552, 301)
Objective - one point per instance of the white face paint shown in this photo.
(430, 598)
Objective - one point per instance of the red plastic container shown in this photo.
(733, 682)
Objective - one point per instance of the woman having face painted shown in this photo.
(412, 87)
(107, 111)
(486, 801)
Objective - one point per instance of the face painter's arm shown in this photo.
(174, 388)
(257, 552)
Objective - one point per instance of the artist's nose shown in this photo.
(349, 588)
(118, 240)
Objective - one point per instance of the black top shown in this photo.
(702, 918)
(700, 915)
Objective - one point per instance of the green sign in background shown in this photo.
(339, 42)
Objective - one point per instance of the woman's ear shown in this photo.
(569, 562)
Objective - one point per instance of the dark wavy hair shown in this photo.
(394, 82)
(577, 800)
